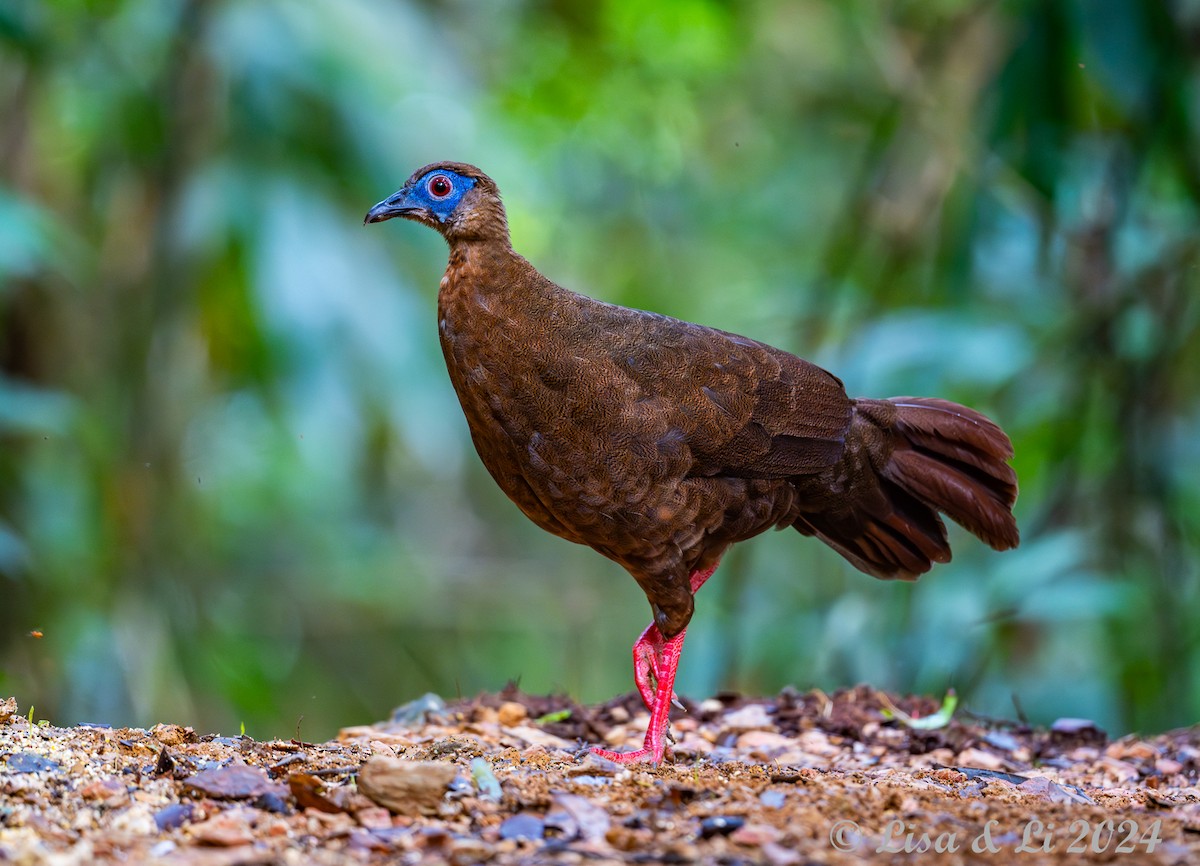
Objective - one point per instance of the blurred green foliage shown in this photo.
(235, 483)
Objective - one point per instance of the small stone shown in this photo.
(1073, 726)
(1167, 767)
(406, 787)
(1002, 740)
(948, 774)
(524, 825)
(172, 735)
(772, 799)
(777, 855)
(1136, 750)
(374, 817)
(681, 852)
(616, 735)
(767, 742)
(752, 717)
(226, 830)
(162, 849)
(511, 713)
(592, 764)
(797, 758)
(416, 713)
(109, 792)
(172, 816)
(979, 759)
(817, 743)
(309, 793)
(1123, 771)
(234, 782)
(756, 835)
(1040, 786)
(465, 850)
(538, 737)
(272, 802)
(578, 818)
(29, 762)
(720, 825)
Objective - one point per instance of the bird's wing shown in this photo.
(745, 409)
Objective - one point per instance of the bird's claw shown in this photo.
(640, 756)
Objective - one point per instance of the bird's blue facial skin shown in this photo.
(431, 192)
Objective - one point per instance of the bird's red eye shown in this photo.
(440, 186)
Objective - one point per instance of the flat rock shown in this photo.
(233, 782)
(406, 787)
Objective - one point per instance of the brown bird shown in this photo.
(659, 443)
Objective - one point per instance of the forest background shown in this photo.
(235, 485)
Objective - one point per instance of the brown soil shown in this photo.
(794, 779)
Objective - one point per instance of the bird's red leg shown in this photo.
(654, 666)
(646, 651)
(648, 648)
(656, 732)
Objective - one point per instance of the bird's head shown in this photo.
(457, 199)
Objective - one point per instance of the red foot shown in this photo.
(656, 732)
(655, 662)
(646, 651)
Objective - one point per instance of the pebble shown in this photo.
(162, 849)
(764, 741)
(233, 782)
(756, 835)
(226, 830)
(524, 825)
(29, 762)
(406, 787)
(1137, 751)
(778, 855)
(417, 712)
(772, 799)
(511, 713)
(109, 792)
(751, 717)
(1168, 767)
(592, 764)
(374, 817)
(172, 735)
(979, 759)
(720, 825)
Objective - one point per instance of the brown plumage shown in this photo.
(659, 443)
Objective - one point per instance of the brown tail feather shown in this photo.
(953, 459)
(927, 456)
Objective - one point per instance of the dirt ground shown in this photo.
(792, 779)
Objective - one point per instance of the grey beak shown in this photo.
(393, 206)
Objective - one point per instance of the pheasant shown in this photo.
(659, 443)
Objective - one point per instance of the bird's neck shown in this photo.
(479, 254)
(489, 272)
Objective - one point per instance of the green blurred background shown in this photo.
(235, 485)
